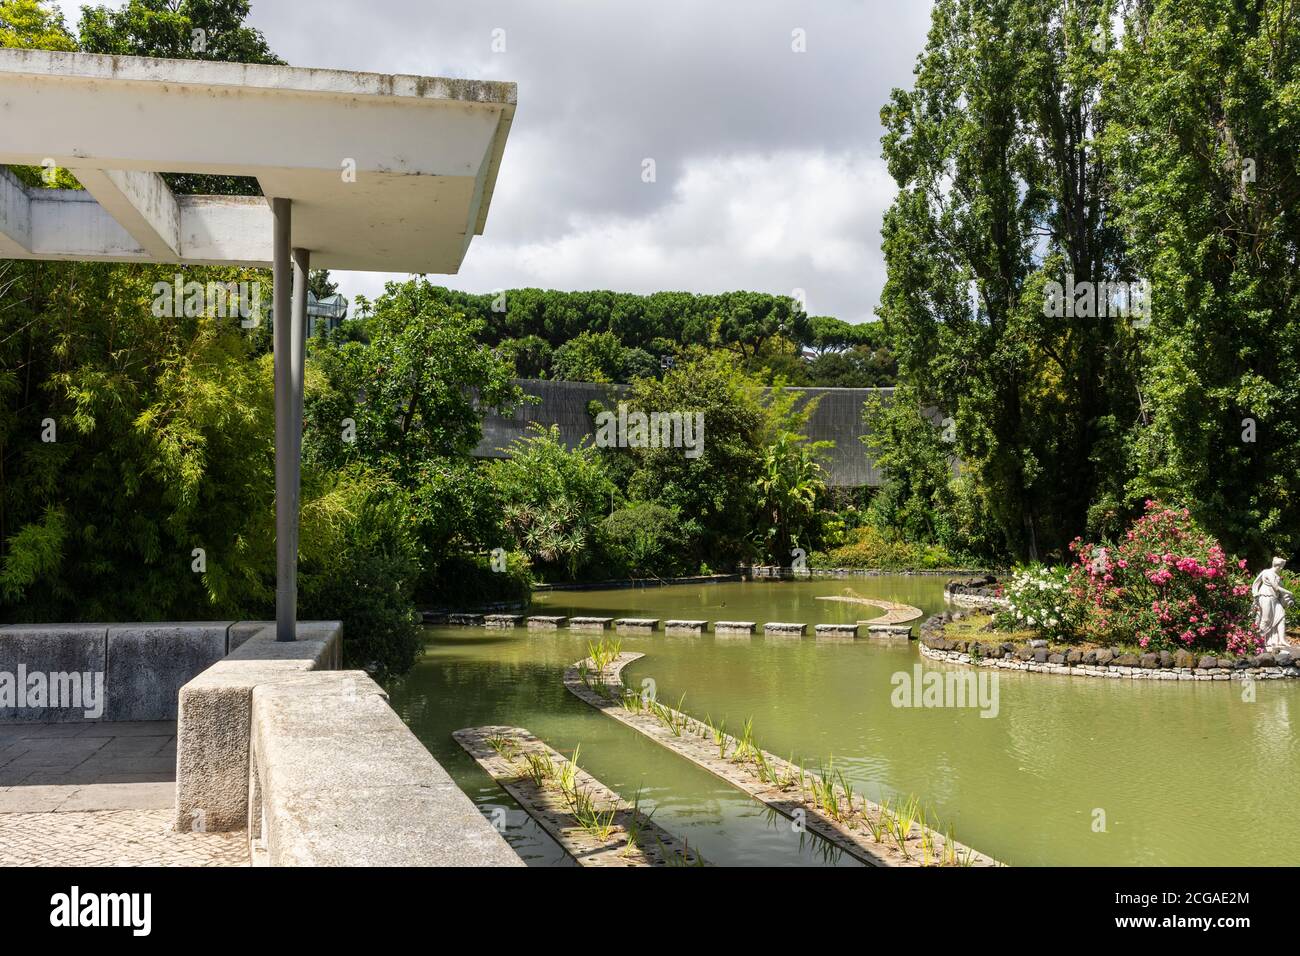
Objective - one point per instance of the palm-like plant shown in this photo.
(788, 486)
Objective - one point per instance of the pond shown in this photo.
(1178, 773)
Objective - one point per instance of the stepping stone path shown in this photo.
(504, 752)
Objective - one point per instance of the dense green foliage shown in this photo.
(1048, 141)
(617, 336)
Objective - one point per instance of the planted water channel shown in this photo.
(1177, 772)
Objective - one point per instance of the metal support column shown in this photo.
(288, 400)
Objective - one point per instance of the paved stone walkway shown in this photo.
(92, 793)
(112, 838)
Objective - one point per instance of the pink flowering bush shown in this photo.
(1167, 585)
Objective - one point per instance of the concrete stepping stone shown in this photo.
(547, 621)
(640, 625)
(465, 620)
(889, 632)
(590, 623)
(502, 620)
(685, 627)
(782, 629)
(733, 627)
(836, 630)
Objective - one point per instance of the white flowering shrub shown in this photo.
(1040, 598)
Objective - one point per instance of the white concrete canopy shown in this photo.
(358, 171)
(385, 173)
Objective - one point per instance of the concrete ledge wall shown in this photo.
(141, 666)
(214, 721)
(337, 779)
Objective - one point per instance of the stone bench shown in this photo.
(639, 625)
(337, 779)
(685, 627)
(590, 623)
(546, 621)
(836, 630)
(131, 671)
(780, 629)
(502, 620)
(733, 627)
(214, 715)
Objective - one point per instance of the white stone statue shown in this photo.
(1271, 602)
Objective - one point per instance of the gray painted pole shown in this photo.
(301, 275)
(286, 450)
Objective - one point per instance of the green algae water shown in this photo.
(1177, 773)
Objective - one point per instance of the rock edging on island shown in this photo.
(1041, 657)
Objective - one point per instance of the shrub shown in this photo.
(1166, 585)
(469, 580)
(363, 571)
(644, 540)
(1041, 597)
(553, 499)
(872, 547)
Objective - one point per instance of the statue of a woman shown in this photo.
(1271, 602)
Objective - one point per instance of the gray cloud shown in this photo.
(768, 162)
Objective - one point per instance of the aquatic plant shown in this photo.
(569, 775)
(745, 742)
(505, 747)
(604, 652)
(904, 817)
(636, 822)
(541, 768)
(720, 740)
(879, 824)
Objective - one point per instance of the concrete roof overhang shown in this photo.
(425, 152)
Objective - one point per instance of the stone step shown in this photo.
(836, 630)
(685, 627)
(590, 623)
(465, 620)
(785, 629)
(889, 632)
(502, 620)
(733, 627)
(641, 624)
(547, 621)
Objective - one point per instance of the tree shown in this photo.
(1206, 153)
(590, 357)
(530, 356)
(413, 392)
(790, 483)
(176, 29)
(33, 25)
(553, 500)
(715, 493)
(1002, 188)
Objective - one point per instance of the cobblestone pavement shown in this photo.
(112, 838)
(98, 794)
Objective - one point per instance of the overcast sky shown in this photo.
(768, 166)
